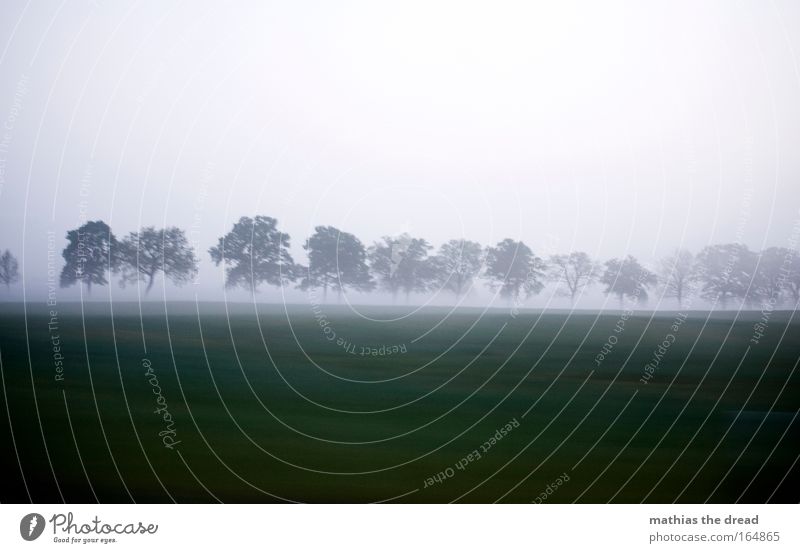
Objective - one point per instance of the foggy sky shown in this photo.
(627, 128)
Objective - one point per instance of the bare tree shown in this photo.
(401, 264)
(675, 274)
(575, 271)
(725, 272)
(255, 251)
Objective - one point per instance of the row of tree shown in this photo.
(256, 252)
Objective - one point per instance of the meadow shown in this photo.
(260, 403)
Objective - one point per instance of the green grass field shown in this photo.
(267, 406)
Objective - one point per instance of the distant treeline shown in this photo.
(256, 252)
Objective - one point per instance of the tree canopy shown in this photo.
(150, 251)
(401, 264)
(779, 274)
(726, 272)
(575, 271)
(514, 270)
(255, 252)
(676, 273)
(336, 260)
(457, 264)
(9, 269)
(90, 254)
(627, 278)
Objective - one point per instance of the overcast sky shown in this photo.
(627, 128)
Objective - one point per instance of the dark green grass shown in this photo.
(246, 431)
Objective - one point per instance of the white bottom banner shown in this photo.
(400, 527)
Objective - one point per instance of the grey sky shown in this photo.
(614, 129)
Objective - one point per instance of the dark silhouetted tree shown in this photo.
(9, 269)
(726, 272)
(457, 265)
(627, 278)
(144, 254)
(513, 269)
(779, 275)
(90, 254)
(255, 252)
(336, 260)
(575, 271)
(401, 264)
(675, 274)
